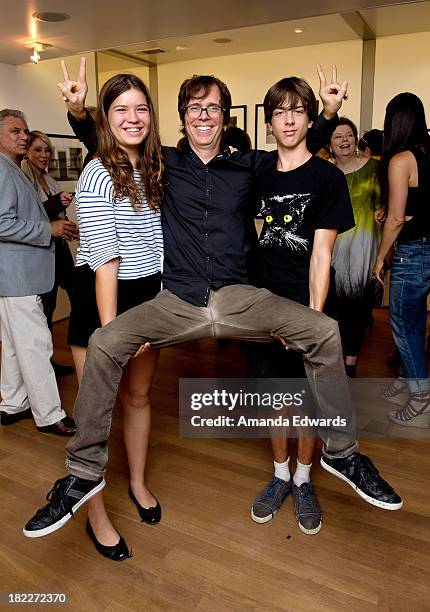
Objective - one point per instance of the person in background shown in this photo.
(55, 200)
(355, 250)
(28, 385)
(370, 144)
(406, 192)
(237, 138)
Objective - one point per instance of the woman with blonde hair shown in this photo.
(55, 200)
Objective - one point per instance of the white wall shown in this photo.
(402, 64)
(249, 75)
(40, 98)
(33, 89)
(8, 91)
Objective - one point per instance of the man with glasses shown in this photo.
(206, 293)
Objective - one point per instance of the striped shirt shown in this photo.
(111, 228)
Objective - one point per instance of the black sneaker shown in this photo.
(65, 497)
(307, 509)
(360, 473)
(269, 500)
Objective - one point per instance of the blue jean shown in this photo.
(409, 288)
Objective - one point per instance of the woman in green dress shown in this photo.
(355, 250)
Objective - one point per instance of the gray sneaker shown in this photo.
(269, 500)
(307, 509)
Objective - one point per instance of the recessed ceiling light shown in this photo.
(181, 47)
(50, 17)
(298, 30)
(222, 41)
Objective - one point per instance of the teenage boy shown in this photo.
(305, 202)
(206, 294)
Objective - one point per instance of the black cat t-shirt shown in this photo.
(293, 205)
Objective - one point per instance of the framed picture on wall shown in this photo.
(239, 117)
(263, 137)
(67, 157)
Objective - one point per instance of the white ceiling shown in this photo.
(103, 24)
(244, 40)
(404, 19)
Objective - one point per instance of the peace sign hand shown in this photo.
(331, 94)
(74, 92)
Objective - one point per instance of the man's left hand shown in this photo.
(143, 349)
(332, 94)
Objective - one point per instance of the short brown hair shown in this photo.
(191, 87)
(296, 91)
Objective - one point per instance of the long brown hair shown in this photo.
(116, 161)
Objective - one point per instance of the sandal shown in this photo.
(396, 391)
(412, 415)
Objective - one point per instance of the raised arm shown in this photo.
(74, 92)
(74, 95)
(332, 95)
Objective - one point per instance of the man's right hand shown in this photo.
(75, 92)
(64, 229)
(66, 198)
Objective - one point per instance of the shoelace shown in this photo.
(368, 471)
(272, 490)
(56, 497)
(307, 498)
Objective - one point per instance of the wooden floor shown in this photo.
(207, 554)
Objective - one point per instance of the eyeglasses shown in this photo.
(212, 110)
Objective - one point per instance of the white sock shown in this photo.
(302, 473)
(282, 470)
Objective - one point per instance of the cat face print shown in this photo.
(283, 221)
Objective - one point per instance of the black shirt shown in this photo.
(417, 204)
(207, 213)
(294, 204)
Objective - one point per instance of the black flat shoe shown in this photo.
(119, 552)
(151, 516)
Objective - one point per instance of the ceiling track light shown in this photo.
(38, 48)
(35, 57)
